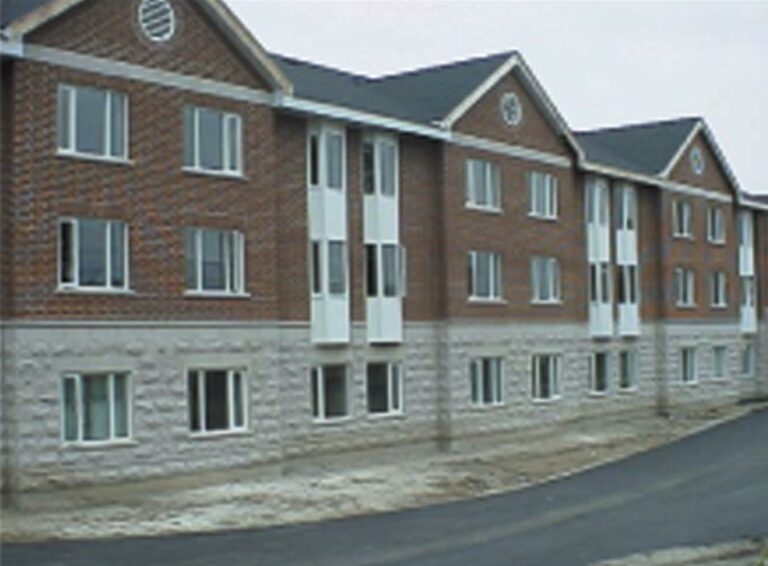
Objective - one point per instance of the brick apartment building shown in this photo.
(216, 256)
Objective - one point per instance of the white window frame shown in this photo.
(548, 290)
(234, 283)
(748, 361)
(71, 116)
(477, 377)
(318, 372)
(75, 257)
(554, 377)
(715, 225)
(600, 283)
(378, 144)
(228, 120)
(628, 285)
(539, 181)
(490, 191)
(685, 287)
(718, 289)
(232, 426)
(682, 219)
(78, 379)
(689, 365)
(320, 133)
(627, 378)
(494, 277)
(394, 374)
(626, 208)
(400, 267)
(748, 291)
(593, 382)
(717, 352)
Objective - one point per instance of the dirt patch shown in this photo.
(242, 498)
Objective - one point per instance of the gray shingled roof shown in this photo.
(423, 95)
(642, 148)
(13, 9)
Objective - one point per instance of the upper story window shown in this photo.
(217, 400)
(718, 289)
(329, 267)
(626, 208)
(385, 270)
(715, 225)
(486, 376)
(96, 407)
(748, 295)
(542, 195)
(93, 254)
(597, 203)
(379, 167)
(745, 229)
(483, 184)
(212, 140)
(214, 261)
(484, 275)
(545, 280)
(685, 287)
(682, 219)
(626, 288)
(325, 158)
(92, 122)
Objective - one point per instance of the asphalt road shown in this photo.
(708, 488)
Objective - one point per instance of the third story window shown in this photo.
(715, 225)
(214, 260)
(93, 254)
(487, 381)
(379, 167)
(92, 121)
(385, 391)
(626, 208)
(545, 279)
(542, 195)
(484, 275)
(483, 184)
(682, 219)
(217, 400)
(212, 140)
(385, 270)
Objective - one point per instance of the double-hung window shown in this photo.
(486, 377)
(214, 261)
(627, 369)
(685, 287)
(627, 285)
(212, 140)
(682, 219)
(718, 287)
(329, 267)
(217, 400)
(483, 184)
(545, 376)
(748, 298)
(715, 225)
(484, 275)
(385, 388)
(599, 372)
(688, 365)
(626, 208)
(330, 392)
(96, 407)
(542, 195)
(545, 280)
(325, 159)
(720, 362)
(93, 254)
(600, 283)
(92, 122)
(385, 270)
(379, 161)
(748, 361)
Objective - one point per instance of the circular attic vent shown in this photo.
(511, 109)
(697, 161)
(157, 19)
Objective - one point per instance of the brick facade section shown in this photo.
(712, 178)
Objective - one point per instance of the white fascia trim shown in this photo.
(655, 181)
(509, 150)
(347, 114)
(679, 153)
(745, 202)
(11, 47)
(129, 71)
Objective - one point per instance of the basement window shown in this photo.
(216, 399)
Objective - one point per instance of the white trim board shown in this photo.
(679, 153)
(509, 150)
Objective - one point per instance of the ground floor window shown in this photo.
(688, 370)
(486, 379)
(599, 372)
(545, 376)
(96, 407)
(216, 400)
(330, 392)
(627, 369)
(385, 392)
(748, 361)
(719, 362)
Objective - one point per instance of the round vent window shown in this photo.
(157, 19)
(511, 109)
(697, 161)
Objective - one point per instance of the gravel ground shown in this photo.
(323, 490)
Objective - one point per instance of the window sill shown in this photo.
(686, 237)
(237, 175)
(213, 434)
(484, 301)
(94, 291)
(598, 394)
(487, 406)
(718, 307)
(94, 157)
(691, 383)
(332, 420)
(627, 390)
(717, 242)
(480, 208)
(548, 401)
(215, 295)
(555, 303)
(721, 379)
(686, 306)
(386, 416)
(535, 216)
(99, 444)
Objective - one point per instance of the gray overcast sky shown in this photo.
(602, 63)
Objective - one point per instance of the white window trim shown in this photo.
(632, 354)
(626, 283)
(75, 286)
(558, 374)
(726, 372)
(495, 277)
(237, 271)
(626, 195)
(554, 277)
(718, 285)
(390, 412)
(684, 231)
(492, 171)
(750, 373)
(232, 428)
(714, 236)
(321, 417)
(71, 149)
(694, 365)
(551, 196)
(112, 440)
(685, 280)
(476, 367)
(227, 119)
(593, 391)
(602, 281)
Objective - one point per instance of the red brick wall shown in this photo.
(7, 119)
(713, 177)
(109, 29)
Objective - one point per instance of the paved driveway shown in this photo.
(708, 488)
